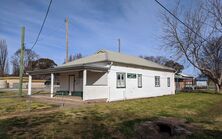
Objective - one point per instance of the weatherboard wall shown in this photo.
(132, 91)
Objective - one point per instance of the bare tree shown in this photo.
(42, 63)
(199, 39)
(175, 65)
(74, 57)
(157, 59)
(3, 58)
(166, 62)
(29, 56)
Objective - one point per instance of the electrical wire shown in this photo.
(43, 23)
(180, 20)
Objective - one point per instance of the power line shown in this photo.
(43, 23)
(180, 20)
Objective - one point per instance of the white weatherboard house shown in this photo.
(111, 76)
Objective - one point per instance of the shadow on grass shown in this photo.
(91, 125)
(212, 92)
(207, 134)
(127, 128)
(55, 125)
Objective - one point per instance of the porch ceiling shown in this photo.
(67, 68)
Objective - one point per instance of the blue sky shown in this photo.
(94, 25)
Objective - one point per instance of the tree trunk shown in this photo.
(218, 88)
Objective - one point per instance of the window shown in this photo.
(168, 81)
(120, 80)
(188, 83)
(157, 81)
(139, 80)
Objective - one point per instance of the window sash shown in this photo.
(120, 80)
(139, 80)
(157, 81)
(168, 81)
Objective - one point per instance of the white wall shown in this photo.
(96, 78)
(201, 83)
(95, 92)
(112, 93)
(96, 86)
(64, 81)
(148, 84)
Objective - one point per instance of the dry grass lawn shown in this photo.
(116, 119)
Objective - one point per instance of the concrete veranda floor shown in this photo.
(66, 101)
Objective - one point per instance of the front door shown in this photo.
(71, 84)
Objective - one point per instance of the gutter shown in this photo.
(68, 68)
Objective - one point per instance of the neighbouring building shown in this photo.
(203, 82)
(111, 76)
(12, 82)
(184, 82)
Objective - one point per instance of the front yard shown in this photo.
(17, 105)
(113, 120)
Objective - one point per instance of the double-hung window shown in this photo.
(139, 80)
(120, 80)
(168, 81)
(157, 81)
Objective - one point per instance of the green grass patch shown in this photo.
(117, 119)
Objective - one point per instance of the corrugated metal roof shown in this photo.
(110, 56)
(202, 79)
(185, 75)
(68, 68)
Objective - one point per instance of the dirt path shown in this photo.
(60, 102)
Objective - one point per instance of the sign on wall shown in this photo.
(131, 75)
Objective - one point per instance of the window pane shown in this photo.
(157, 81)
(120, 82)
(122, 77)
(123, 80)
(139, 80)
(168, 81)
(118, 76)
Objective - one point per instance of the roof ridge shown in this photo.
(108, 51)
(113, 56)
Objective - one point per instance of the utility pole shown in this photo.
(67, 40)
(21, 69)
(119, 45)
